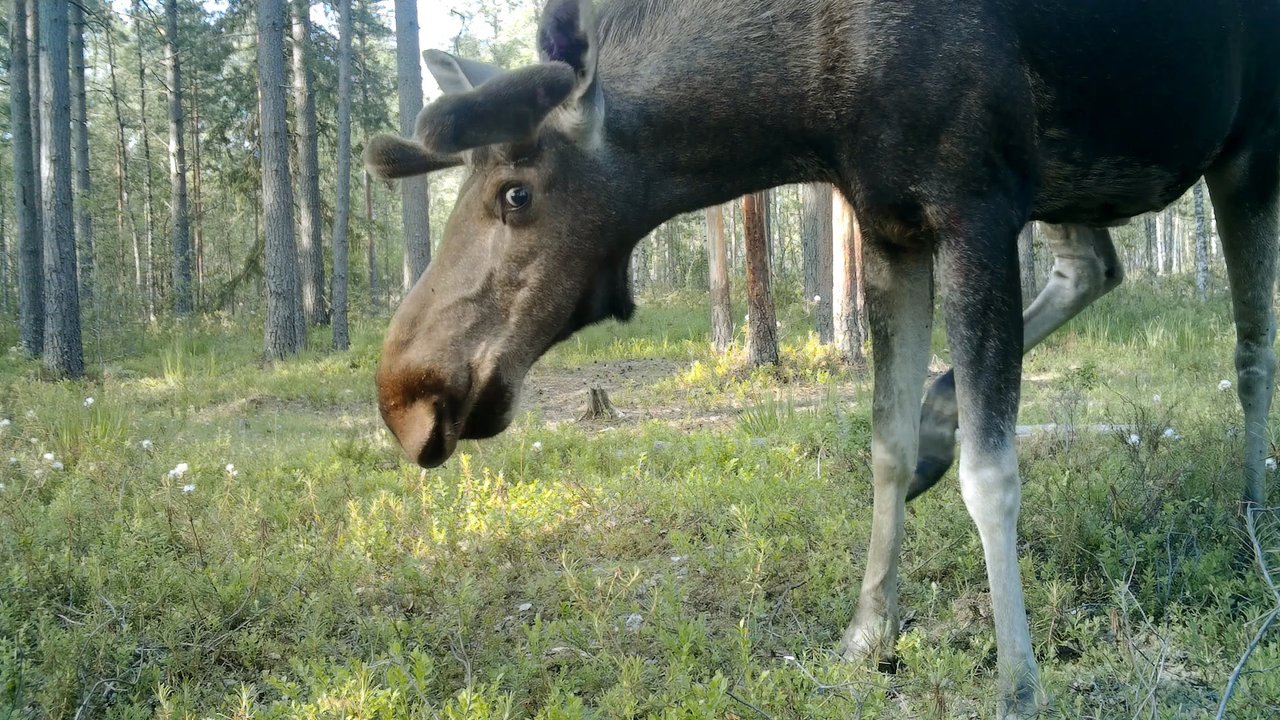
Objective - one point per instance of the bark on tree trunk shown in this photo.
(63, 351)
(148, 214)
(179, 217)
(80, 154)
(413, 191)
(310, 244)
(197, 189)
(844, 255)
(123, 207)
(1027, 263)
(1149, 232)
(285, 330)
(762, 322)
(342, 208)
(718, 266)
(370, 248)
(815, 236)
(26, 201)
(1202, 243)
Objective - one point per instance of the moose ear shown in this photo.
(567, 34)
(458, 75)
(507, 108)
(390, 157)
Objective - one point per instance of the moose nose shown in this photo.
(425, 429)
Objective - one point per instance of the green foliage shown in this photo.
(680, 567)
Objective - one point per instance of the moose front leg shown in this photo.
(899, 293)
(984, 330)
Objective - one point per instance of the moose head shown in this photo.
(537, 245)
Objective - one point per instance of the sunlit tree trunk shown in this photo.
(815, 237)
(845, 293)
(342, 204)
(179, 216)
(197, 190)
(1202, 243)
(718, 277)
(285, 330)
(63, 351)
(80, 154)
(123, 209)
(26, 202)
(762, 321)
(413, 191)
(148, 214)
(310, 245)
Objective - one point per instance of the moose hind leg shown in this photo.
(1245, 198)
(900, 309)
(1085, 267)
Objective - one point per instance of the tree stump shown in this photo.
(598, 406)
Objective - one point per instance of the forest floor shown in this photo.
(214, 536)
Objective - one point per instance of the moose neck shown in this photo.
(690, 106)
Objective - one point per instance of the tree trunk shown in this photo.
(762, 321)
(413, 191)
(1027, 263)
(342, 204)
(844, 256)
(1202, 243)
(33, 75)
(1166, 241)
(310, 244)
(148, 215)
(1149, 233)
(63, 351)
(26, 207)
(123, 208)
(179, 217)
(371, 253)
(815, 236)
(197, 188)
(285, 331)
(718, 272)
(80, 153)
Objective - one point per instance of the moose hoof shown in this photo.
(867, 641)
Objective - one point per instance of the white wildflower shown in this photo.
(179, 470)
(1224, 385)
(1172, 434)
(13, 460)
(817, 298)
(1, 487)
(57, 466)
(31, 414)
(1134, 440)
(537, 445)
(1271, 463)
(634, 622)
(525, 607)
(147, 445)
(4, 423)
(47, 457)
(1156, 398)
(88, 402)
(188, 488)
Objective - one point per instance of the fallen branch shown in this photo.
(1261, 556)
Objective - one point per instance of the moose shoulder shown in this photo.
(947, 125)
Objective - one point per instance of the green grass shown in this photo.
(573, 571)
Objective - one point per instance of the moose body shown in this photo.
(948, 125)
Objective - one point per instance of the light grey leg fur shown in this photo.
(1085, 267)
(1244, 193)
(899, 293)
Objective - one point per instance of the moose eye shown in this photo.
(516, 197)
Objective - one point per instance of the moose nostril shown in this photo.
(425, 431)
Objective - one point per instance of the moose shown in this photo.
(947, 125)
